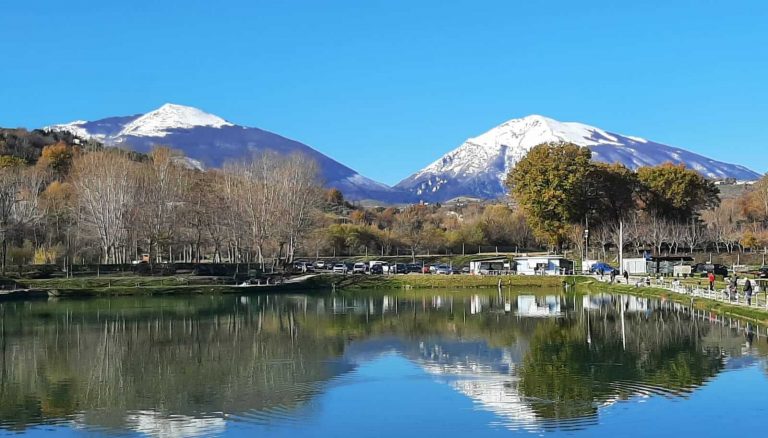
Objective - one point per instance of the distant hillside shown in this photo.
(28, 145)
(212, 141)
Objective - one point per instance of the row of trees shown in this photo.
(558, 193)
(113, 206)
(559, 187)
(94, 204)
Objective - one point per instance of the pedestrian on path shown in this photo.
(626, 277)
(711, 278)
(732, 285)
(613, 276)
(748, 291)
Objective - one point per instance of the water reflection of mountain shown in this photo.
(183, 366)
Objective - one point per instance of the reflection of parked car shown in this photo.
(705, 268)
(605, 267)
(358, 268)
(376, 269)
(340, 268)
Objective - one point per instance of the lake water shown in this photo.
(394, 364)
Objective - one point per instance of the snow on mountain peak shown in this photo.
(170, 116)
(533, 130)
(512, 140)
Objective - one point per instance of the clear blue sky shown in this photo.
(386, 87)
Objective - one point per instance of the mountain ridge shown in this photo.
(478, 167)
(212, 140)
(475, 169)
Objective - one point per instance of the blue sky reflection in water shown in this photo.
(381, 365)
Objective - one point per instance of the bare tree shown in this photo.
(161, 197)
(106, 188)
(10, 186)
(297, 199)
(19, 201)
(693, 234)
(658, 231)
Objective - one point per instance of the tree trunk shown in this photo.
(5, 252)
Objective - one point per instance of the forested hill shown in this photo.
(28, 145)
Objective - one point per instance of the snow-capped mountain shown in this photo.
(209, 140)
(479, 166)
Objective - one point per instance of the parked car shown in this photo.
(398, 268)
(762, 272)
(605, 267)
(340, 268)
(320, 264)
(376, 269)
(304, 266)
(443, 269)
(705, 268)
(359, 268)
(413, 267)
(426, 269)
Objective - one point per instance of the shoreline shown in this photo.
(89, 287)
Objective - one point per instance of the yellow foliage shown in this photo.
(45, 256)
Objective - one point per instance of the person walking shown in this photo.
(748, 291)
(732, 287)
(711, 278)
(626, 276)
(613, 276)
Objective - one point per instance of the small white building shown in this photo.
(543, 265)
(635, 266)
(491, 266)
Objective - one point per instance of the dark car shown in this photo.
(705, 268)
(762, 272)
(376, 269)
(398, 268)
(413, 268)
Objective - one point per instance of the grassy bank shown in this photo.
(748, 313)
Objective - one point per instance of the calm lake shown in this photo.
(379, 364)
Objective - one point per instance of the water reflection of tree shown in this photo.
(575, 365)
(240, 360)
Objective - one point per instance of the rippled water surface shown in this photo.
(381, 364)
